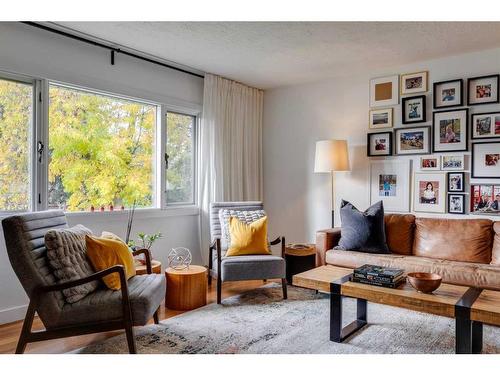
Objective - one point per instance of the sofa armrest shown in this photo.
(326, 239)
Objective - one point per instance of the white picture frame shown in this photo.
(390, 183)
(384, 91)
(429, 199)
(412, 83)
(452, 162)
(486, 160)
(430, 163)
(380, 118)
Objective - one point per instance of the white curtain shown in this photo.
(230, 147)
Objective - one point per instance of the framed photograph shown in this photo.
(379, 144)
(456, 182)
(380, 118)
(485, 125)
(430, 163)
(413, 109)
(412, 83)
(390, 183)
(485, 199)
(456, 204)
(486, 160)
(429, 192)
(447, 94)
(453, 162)
(413, 141)
(482, 90)
(450, 130)
(384, 91)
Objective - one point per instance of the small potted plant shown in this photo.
(145, 242)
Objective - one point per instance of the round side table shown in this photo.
(140, 269)
(186, 289)
(299, 258)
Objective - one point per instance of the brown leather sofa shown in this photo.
(462, 251)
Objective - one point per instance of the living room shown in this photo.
(202, 185)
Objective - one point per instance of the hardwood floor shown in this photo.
(9, 333)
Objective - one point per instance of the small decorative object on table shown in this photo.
(424, 282)
(179, 258)
(299, 258)
(379, 276)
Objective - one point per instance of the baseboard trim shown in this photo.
(13, 314)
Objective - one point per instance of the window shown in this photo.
(181, 157)
(101, 150)
(16, 115)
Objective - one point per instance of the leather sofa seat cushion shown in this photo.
(468, 240)
(495, 255)
(399, 230)
(453, 272)
(146, 293)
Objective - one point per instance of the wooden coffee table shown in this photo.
(470, 307)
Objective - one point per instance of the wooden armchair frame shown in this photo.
(216, 245)
(125, 322)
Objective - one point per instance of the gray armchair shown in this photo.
(100, 311)
(245, 267)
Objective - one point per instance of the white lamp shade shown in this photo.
(331, 156)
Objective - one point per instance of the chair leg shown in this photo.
(209, 278)
(26, 330)
(283, 285)
(155, 316)
(219, 290)
(129, 330)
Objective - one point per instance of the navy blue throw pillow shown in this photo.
(363, 231)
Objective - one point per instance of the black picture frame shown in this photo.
(448, 184)
(368, 142)
(403, 109)
(429, 130)
(472, 125)
(473, 169)
(434, 93)
(474, 198)
(462, 212)
(470, 80)
(466, 132)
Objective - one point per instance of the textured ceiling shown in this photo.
(272, 54)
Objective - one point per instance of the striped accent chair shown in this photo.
(245, 267)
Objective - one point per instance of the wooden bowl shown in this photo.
(424, 282)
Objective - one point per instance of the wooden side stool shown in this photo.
(186, 288)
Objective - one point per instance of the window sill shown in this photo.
(140, 213)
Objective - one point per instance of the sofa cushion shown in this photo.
(399, 231)
(67, 256)
(468, 240)
(461, 273)
(251, 267)
(495, 254)
(363, 231)
(146, 293)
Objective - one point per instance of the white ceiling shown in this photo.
(272, 54)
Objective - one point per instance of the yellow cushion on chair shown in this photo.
(104, 253)
(248, 239)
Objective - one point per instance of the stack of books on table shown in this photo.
(380, 276)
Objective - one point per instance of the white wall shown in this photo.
(295, 117)
(26, 50)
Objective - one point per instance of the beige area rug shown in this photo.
(259, 321)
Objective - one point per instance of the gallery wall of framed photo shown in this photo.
(442, 153)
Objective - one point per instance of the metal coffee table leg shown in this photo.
(337, 333)
(468, 334)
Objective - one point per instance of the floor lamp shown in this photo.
(331, 156)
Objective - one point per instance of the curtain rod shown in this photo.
(108, 47)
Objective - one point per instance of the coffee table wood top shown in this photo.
(486, 309)
(440, 302)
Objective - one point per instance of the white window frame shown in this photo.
(196, 117)
(39, 132)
